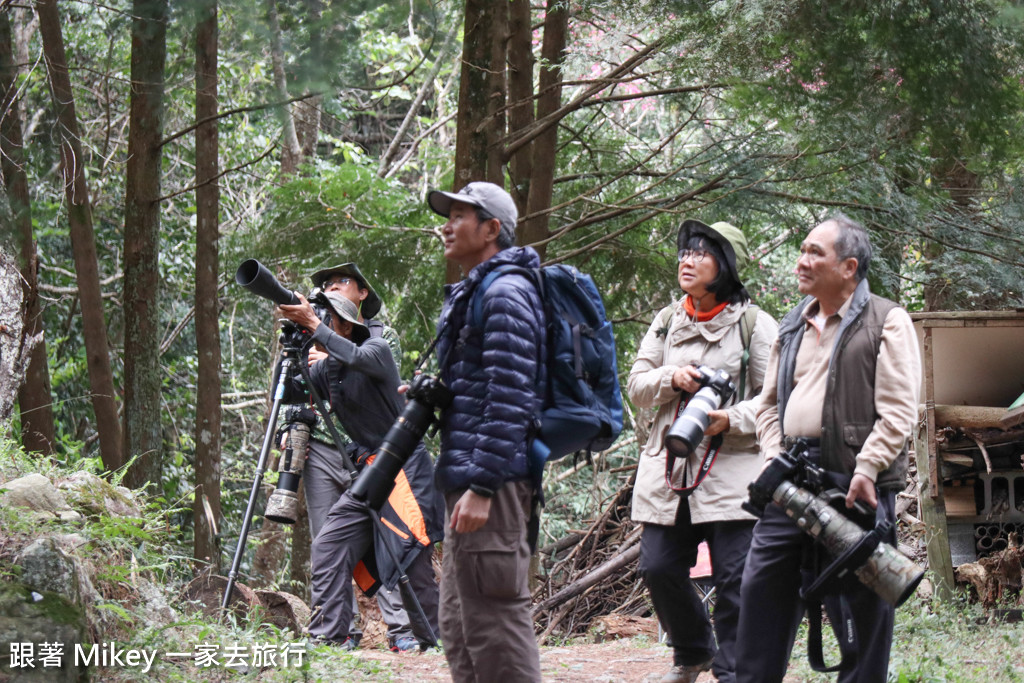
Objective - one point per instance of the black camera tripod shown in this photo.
(287, 364)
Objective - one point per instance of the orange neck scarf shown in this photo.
(702, 316)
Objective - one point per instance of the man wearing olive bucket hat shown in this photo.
(360, 378)
(326, 477)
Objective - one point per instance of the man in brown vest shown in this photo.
(845, 374)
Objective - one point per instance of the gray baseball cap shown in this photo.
(487, 196)
(346, 310)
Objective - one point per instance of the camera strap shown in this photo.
(321, 408)
(710, 455)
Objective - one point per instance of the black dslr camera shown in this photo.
(426, 395)
(687, 431)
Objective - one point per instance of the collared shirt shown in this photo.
(897, 388)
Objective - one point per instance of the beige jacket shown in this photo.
(718, 344)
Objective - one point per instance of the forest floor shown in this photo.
(614, 661)
(628, 660)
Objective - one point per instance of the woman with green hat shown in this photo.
(684, 501)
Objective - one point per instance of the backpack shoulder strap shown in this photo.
(664, 320)
(477, 298)
(747, 323)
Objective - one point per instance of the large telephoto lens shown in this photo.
(688, 430)
(375, 482)
(258, 279)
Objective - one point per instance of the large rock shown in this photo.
(42, 625)
(35, 492)
(46, 567)
(156, 610)
(94, 496)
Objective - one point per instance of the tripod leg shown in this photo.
(417, 617)
(261, 467)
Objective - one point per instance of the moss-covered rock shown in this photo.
(38, 635)
(93, 496)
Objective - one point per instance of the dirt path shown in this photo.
(617, 661)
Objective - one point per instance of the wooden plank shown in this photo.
(1014, 314)
(933, 514)
(1008, 322)
(929, 393)
(970, 417)
(1012, 418)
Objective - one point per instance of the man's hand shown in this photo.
(316, 353)
(300, 314)
(685, 379)
(862, 488)
(719, 422)
(470, 512)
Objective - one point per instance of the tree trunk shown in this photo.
(520, 95)
(34, 398)
(208, 413)
(291, 152)
(11, 366)
(544, 148)
(301, 563)
(142, 434)
(300, 131)
(963, 186)
(83, 241)
(480, 123)
(306, 113)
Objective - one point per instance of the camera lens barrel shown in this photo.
(887, 572)
(686, 433)
(258, 279)
(283, 505)
(375, 482)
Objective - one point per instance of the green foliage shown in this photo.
(770, 114)
(953, 642)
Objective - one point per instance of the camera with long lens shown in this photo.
(257, 278)
(426, 395)
(798, 485)
(283, 504)
(686, 433)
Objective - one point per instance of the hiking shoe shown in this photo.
(405, 644)
(686, 673)
(347, 644)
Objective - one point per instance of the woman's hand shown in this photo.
(300, 314)
(685, 379)
(719, 422)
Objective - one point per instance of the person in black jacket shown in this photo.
(325, 477)
(495, 377)
(361, 379)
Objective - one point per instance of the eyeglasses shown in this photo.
(697, 255)
(337, 281)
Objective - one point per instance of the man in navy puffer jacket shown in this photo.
(494, 373)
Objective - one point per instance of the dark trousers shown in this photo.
(345, 537)
(771, 608)
(486, 619)
(667, 553)
(325, 480)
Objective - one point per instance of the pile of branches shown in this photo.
(592, 572)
